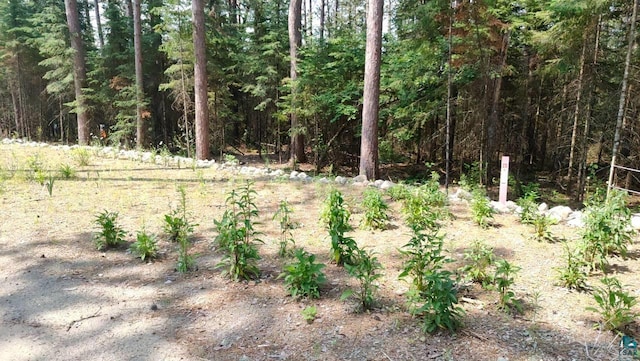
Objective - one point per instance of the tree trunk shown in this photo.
(623, 93)
(79, 69)
(494, 116)
(96, 6)
(322, 18)
(295, 41)
(371, 100)
(137, 47)
(200, 78)
(576, 116)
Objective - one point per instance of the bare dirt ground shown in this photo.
(60, 299)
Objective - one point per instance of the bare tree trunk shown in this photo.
(494, 116)
(79, 69)
(323, 5)
(295, 41)
(200, 77)
(623, 93)
(96, 6)
(371, 100)
(576, 115)
(137, 47)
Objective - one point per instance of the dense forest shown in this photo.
(552, 83)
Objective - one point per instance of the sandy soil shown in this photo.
(60, 299)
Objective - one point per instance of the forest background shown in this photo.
(552, 83)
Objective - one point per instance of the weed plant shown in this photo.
(176, 224)
(424, 208)
(49, 185)
(110, 234)
(615, 306)
(375, 210)
(422, 255)
(528, 202)
(367, 271)
(304, 277)
(503, 280)
(336, 218)
(145, 246)
(440, 308)
(573, 274)
(309, 313)
(399, 192)
(283, 216)
(186, 262)
(541, 223)
(237, 236)
(470, 178)
(65, 171)
(607, 230)
(479, 258)
(81, 156)
(481, 208)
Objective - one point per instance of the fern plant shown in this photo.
(375, 210)
(304, 277)
(110, 234)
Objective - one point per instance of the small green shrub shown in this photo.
(336, 218)
(65, 171)
(283, 216)
(424, 208)
(470, 178)
(439, 309)
(541, 224)
(309, 313)
(367, 271)
(503, 280)
(607, 230)
(110, 234)
(479, 258)
(145, 246)
(375, 210)
(304, 277)
(528, 202)
(481, 208)
(176, 224)
(81, 156)
(423, 255)
(615, 305)
(573, 274)
(399, 192)
(237, 236)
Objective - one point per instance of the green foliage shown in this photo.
(479, 258)
(425, 206)
(573, 274)
(309, 313)
(145, 246)
(481, 208)
(176, 224)
(615, 306)
(503, 280)
(375, 210)
(81, 156)
(304, 277)
(399, 192)
(432, 296)
(528, 202)
(366, 270)
(283, 215)
(470, 178)
(237, 236)
(66, 171)
(541, 224)
(110, 234)
(607, 230)
(336, 218)
(49, 184)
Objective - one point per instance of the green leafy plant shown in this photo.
(399, 192)
(336, 218)
(81, 156)
(49, 184)
(573, 274)
(481, 208)
(615, 305)
(375, 210)
(110, 234)
(176, 224)
(528, 202)
(186, 262)
(145, 246)
(231, 159)
(439, 308)
(503, 281)
(470, 178)
(309, 313)
(66, 171)
(479, 258)
(425, 206)
(607, 230)
(304, 277)
(283, 216)
(541, 223)
(237, 236)
(423, 255)
(367, 271)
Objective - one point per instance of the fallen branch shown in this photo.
(96, 314)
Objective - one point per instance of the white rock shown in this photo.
(463, 194)
(360, 178)
(559, 213)
(386, 185)
(277, 173)
(378, 183)
(341, 180)
(323, 180)
(635, 221)
(293, 174)
(512, 206)
(576, 222)
(303, 176)
(499, 207)
(543, 207)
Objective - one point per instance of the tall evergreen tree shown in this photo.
(79, 70)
